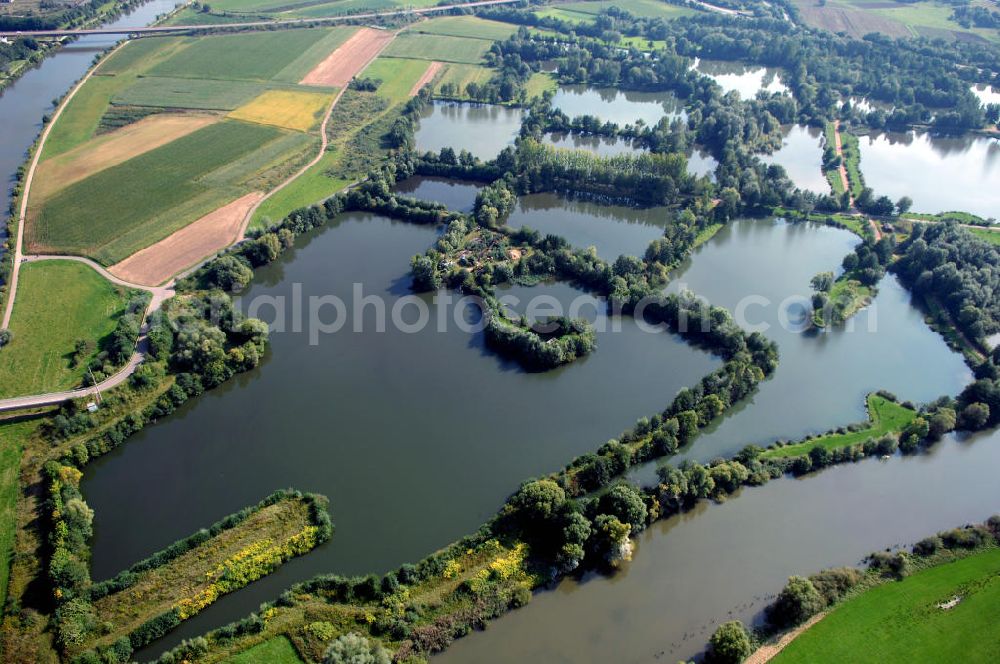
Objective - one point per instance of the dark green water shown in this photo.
(482, 129)
(417, 438)
(457, 195)
(611, 229)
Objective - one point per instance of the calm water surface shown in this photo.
(482, 129)
(801, 154)
(724, 562)
(746, 80)
(417, 438)
(617, 106)
(611, 229)
(987, 94)
(822, 378)
(457, 195)
(940, 173)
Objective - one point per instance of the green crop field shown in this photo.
(438, 47)
(885, 416)
(119, 210)
(902, 622)
(398, 76)
(564, 15)
(246, 56)
(314, 9)
(466, 26)
(296, 70)
(57, 303)
(138, 54)
(194, 93)
(278, 650)
(460, 76)
(640, 8)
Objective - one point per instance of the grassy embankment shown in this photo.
(832, 174)
(228, 560)
(902, 621)
(278, 650)
(58, 303)
(852, 162)
(884, 417)
(13, 435)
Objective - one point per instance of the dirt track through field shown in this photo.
(213, 232)
(428, 76)
(338, 68)
(114, 148)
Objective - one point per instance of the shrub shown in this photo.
(832, 584)
(927, 546)
(798, 601)
(352, 648)
(730, 644)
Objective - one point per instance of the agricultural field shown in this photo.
(112, 149)
(565, 15)
(191, 93)
(398, 77)
(312, 186)
(466, 26)
(253, 56)
(902, 621)
(290, 109)
(885, 416)
(122, 209)
(58, 303)
(928, 18)
(461, 75)
(640, 8)
(437, 47)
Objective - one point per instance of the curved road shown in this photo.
(154, 29)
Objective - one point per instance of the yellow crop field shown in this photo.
(291, 109)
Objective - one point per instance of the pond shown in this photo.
(741, 78)
(612, 229)
(416, 435)
(617, 106)
(760, 270)
(801, 154)
(455, 194)
(724, 562)
(482, 129)
(940, 173)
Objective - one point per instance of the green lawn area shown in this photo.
(884, 416)
(990, 236)
(900, 621)
(438, 47)
(398, 76)
(257, 56)
(310, 187)
(833, 174)
(466, 26)
(540, 83)
(12, 437)
(564, 15)
(278, 650)
(57, 303)
(122, 209)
